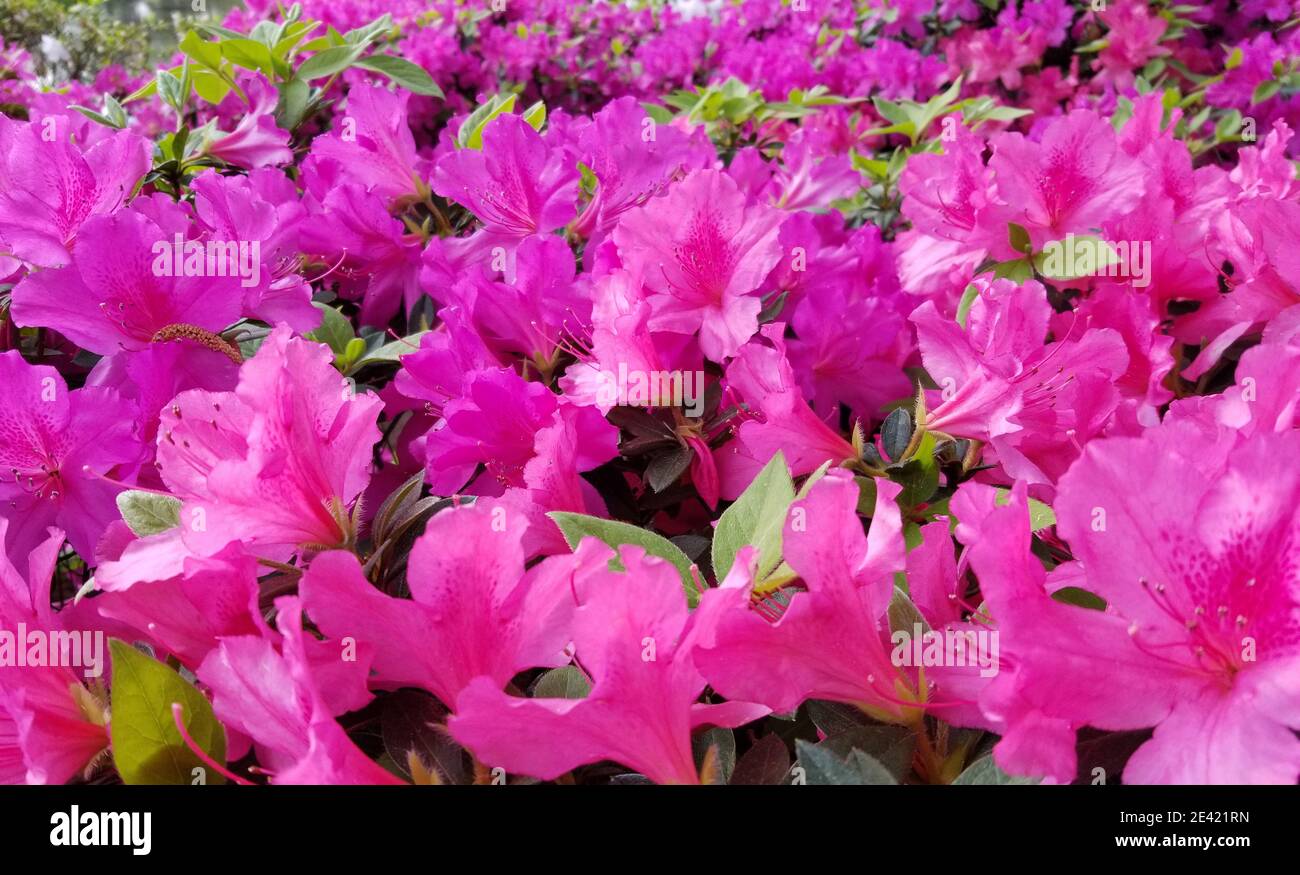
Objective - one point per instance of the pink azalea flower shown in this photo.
(1199, 635)
(703, 251)
(55, 448)
(633, 160)
(1071, 181)
(473, 610)
(256, 141)
(124, 286)
(261, 208)
(367, 251)
(832, 639)
(153, 376)
(187, 615)
(635, 637)
(495, 424)
(1036, 403)
(275, 464)
(622, 342)
(285, 699)
(51, 725)
(538, 305)
(49, 186)
(946, 195)
(849, 350)
(436, 372)
(372, 143)
(1133, 40)
(779, 419)
(811, 175)
(516, 185)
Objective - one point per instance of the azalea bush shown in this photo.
(754, 392)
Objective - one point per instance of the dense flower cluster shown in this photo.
(758, 392)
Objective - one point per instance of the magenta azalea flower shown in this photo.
(703, 252)
(373, 144)
(635, 638)
(129, 283)
(274, 465)
(51, 724)
(473, 610)
(1199, 635)
(49, 186)
(56, 446)
(517, 185)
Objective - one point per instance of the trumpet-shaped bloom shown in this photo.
(780, 419)
(832, 640)
(256, 141)
(1000, 383)
(703, 251)
(473, 610)
(55, 447)
(126, 283)
(633, 159)
(283, 691)
(517, 184)
(635, 637)
(372, 143)
(51, 725)
(50, 186)
(1199, 636)
(1071, 181)
(274, 464)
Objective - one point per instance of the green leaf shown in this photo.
(919, 477)
(94, 116)
(169, 88)
(148, 513)
(335, 330)
(985, 771)
(563, 683)
(205, 53)
(967, 300)
(470, 135)
(1076, 256)
(391, 352)
(756, 519)
(249, 54)
(412, 77)
(147, 747)
(659, 114)
(1018, 270)
(535, 115)
(329, 61)
(292, 104)
(1018, 237)
(1041, 515)
(823, 766)
(576, 526)
(212, 87)
(1080, 598)
(1264, 90)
